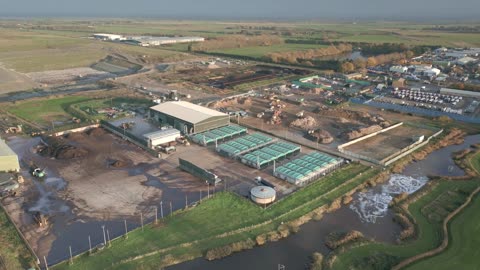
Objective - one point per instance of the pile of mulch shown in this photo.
(59, 148)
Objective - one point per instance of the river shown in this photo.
(368, 213)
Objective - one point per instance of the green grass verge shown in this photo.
(462, 251)
(224, 213)
(384, 256)
(475, 161)
(13, 252)
(43, 112)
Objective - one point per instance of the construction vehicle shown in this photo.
(300, 114)
(38, 173)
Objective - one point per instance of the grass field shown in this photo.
(462, 252)
(445, 197)
(43, 112)
(29, 51)
(13, 252)
(226, 212)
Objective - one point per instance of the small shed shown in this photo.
(161, 137)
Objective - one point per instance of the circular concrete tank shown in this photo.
(262, 194)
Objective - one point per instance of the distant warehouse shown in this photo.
(449, 91)
(188, 117)
(8, 159)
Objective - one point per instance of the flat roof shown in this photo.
(5, 150)
(162, 133)
(187, 111)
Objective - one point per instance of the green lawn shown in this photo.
(429, 226)
(226, 212)
(43, 112)
(13, 252)
(475, 160)
(462, 251)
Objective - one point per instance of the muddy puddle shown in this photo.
(368, 213)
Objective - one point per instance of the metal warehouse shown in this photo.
(188, 117)
(8, 159)
(161, 137)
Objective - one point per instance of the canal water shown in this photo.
(368, 213)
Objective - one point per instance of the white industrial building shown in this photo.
(147, 41)
(110, 37)
(188, 117)
(457, 92)
(433, 72)
(398, 69)
(161, 137)
(465, 60)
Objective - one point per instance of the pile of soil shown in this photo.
(59, 148)
(363, 117)
(354, 134)
(323, 136)
(304, 123)
(96, 132)
(247, 101)
(118, 164)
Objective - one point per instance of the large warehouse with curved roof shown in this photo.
(187, 117)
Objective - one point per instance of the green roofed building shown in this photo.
(187, 117)
(8, 158)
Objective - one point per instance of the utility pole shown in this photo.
(126, 230)
(108, 237)
(171, 208)
(71, 257)
(46, 264)
(161, 209)
(186, 201)
(156, 215)
(141, 219)
(89, 245)
(200, 195)
(104, 236)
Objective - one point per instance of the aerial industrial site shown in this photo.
(164, 144)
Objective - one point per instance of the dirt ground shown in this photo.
(66, 75)
(387, 143)
(114, 181)
(11, 81)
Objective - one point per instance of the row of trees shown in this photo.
(294, 57)
(236, 41)
(361, 63)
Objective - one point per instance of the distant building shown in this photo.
(109, 37)
(398, 69)
(449, 91)
(353, 76)
(465, 60)
(433, 72)
(147, 41)
(8, 159)
(188, 117)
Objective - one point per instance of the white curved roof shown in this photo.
(187, 111)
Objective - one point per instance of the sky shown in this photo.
(246, 9)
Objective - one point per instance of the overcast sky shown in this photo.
(238, 9)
